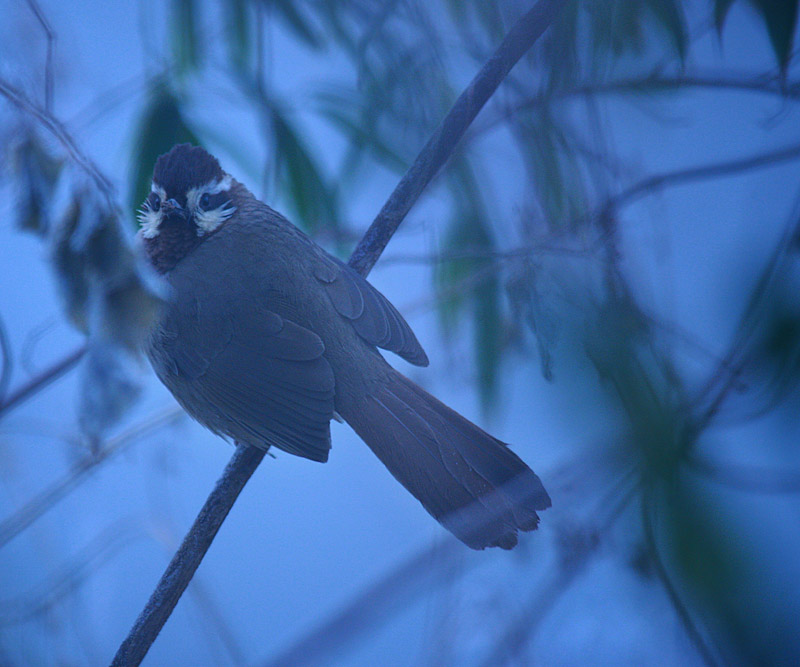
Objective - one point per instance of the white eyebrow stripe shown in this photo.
(216, 186)
(209, 221)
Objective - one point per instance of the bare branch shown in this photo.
(414, 577)
(34, 385)
(717, 169)
(70, 577)
(246, 459)
(654, 83)
(50, 36)
(187, 559)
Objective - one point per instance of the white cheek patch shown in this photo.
(148, 218)
(209, 221)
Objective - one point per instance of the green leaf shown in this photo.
(554, 170)
(161, 127)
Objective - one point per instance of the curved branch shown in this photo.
(246, 459)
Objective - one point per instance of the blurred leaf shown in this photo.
(184, 35)
(109, 387)
(491, 19)
(37, 173)
(721, 8)
(361, 133)
(554, 170)
(161, 127)
(238, 18)
(741, 599)
(313, 201)
(669, 14)
(619, 345)
(780, 20)
(780, 17)
(294, 19)
(532, 308)
(111, 295)
(472, 281)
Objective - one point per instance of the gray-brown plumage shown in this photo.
(266, 335)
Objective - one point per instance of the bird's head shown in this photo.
(190, 199)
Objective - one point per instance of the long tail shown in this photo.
(472, 483)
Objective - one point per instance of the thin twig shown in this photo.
(441, 144)
(704, 172)
(34, 385)
(57, 129)
(6, 362)
(246, 459)
(70, 577)
(50, 36)
(416, 576)
(523, 627)
(649, 84)
(53, 494)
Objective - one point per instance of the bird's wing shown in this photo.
(264, 374)
(374, 318)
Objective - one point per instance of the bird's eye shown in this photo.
(155, 202)
(205, 201)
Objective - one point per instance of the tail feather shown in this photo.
(469, 481)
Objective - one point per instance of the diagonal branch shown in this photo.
(245, 460)
(40, 381)
(57, 129)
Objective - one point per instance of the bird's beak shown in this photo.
(172, 208)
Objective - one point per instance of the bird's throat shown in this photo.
(174, 241)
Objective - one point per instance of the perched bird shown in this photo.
(267, 337)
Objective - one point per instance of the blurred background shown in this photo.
(606, 274)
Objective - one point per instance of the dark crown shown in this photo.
(185, 167)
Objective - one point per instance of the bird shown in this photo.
(265, 337)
